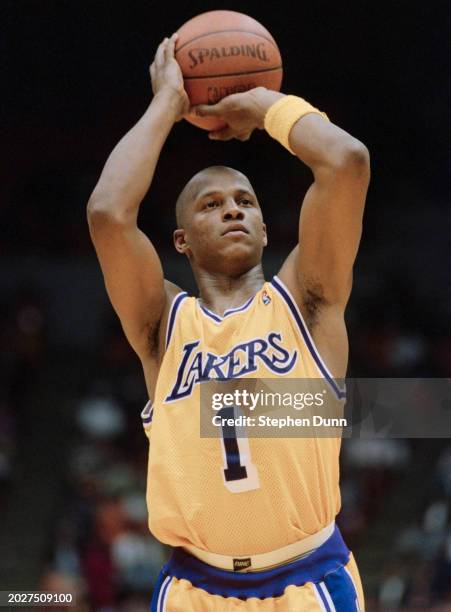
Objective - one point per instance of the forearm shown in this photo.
(129, 170)
(315, 140)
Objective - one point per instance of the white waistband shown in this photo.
(251, 563)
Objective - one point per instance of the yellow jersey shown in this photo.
(290, 488)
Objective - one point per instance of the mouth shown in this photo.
(235, 230)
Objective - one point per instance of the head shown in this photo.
(219, 222)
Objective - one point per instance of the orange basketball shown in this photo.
(224, 52)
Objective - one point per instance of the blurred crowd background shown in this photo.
(73, 455)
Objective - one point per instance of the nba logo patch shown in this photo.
(265, 298)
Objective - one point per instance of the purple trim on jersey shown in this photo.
(217, 318)
(283, 291)
(172, 314)
(326, 559)
(147, 413)
(239, 308)
(210, 314)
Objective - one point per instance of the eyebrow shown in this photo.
(212, 192)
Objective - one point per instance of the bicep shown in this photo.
(133, 278)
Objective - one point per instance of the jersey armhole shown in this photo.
(172, 316)
(285, 294)
(147, 412)
(146, 416)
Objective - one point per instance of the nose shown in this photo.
(232, 211)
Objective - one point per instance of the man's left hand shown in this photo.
(243, 113)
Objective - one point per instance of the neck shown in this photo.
(219, 292)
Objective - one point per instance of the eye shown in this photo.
(245, 202)
(211, 204)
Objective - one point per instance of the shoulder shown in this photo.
(171, 290)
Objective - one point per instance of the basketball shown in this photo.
(222, 53)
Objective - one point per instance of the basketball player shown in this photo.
(252, 531)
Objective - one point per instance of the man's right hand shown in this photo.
(167, 77)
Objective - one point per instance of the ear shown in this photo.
(265, 235)
(180, 241)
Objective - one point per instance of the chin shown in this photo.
(239, 259)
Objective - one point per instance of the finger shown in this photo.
(152, 79)
(169, 49)
(209, 110)
(159, 56)
(225, 134)
(244, 137)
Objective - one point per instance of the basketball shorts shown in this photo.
(326, 580)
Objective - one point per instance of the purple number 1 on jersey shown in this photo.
(239, 473)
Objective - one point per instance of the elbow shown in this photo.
(101, 215)
(357, 154)
(96, 212)
(354, 158)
